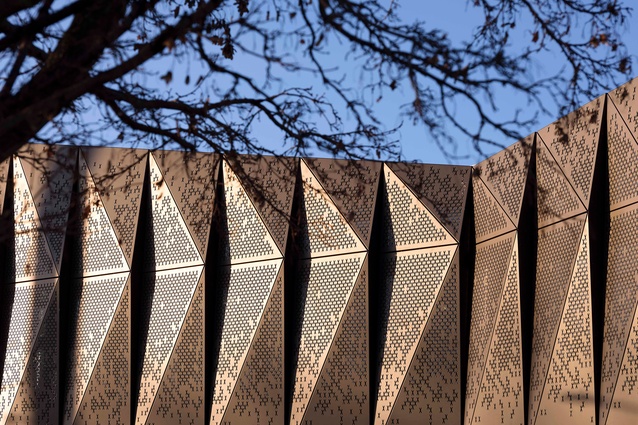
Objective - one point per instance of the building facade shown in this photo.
(163, 287)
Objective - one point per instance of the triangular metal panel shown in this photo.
(259, 391)
(341, 394)
(31, 256)
(246, 236)
(97, 250)
(107, 399)
(173, 243)
(622, 149)
(441, 188)
(558, 247)
(247, 288)
(270, 183)
(328, 284)
(407, 223)
(490, 271)
(430, 391)
(322, 230)
(557, 199)
(414, 279)
(192, 179)
(501, 395)
(37, 398)
(180, 396)
(118, 175)
(4, 178)
(30, 303)
(97, 299)
(568, 396)
(573, 142)
(505, 175)
(625, 98)
(172, 294)
(490, 220)
(50, 171)
(620, 328)
(353, 187)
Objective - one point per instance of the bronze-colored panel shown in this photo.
(500, 396)
(623, 160)
(30, 302)
(352, 186)
(173, 243)
(258, 396)
(573, 142)
(490, 220)
(341, 394)
(442, 188)
(557, 199)
(97, 250)
(625, 98)
(37, 398)
(245, 236)
(490, 271)
(31, 256)
(328, 285)
(173, 291)
(559, 246)
(505, 174)
(97, 299)
(107, 399)
(618, 395)
(247, 288)
(180, 396)
(270, 182)
(430, 391)
(4, 178)
(118, 175)
(413, 280)
(192, 179)
(49, 171)
(407, 223)
(323, 229)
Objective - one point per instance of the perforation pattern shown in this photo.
(97, 301)
(442, 188)
(431, 389)
(259, 393)
(31, 255)
(353, 187)
(107, 396)
(501, 391)
(248, 288)
(180, 397)
(172, 294)
(569, 388)
(491, 266)
(408, 223)
(342, 391)
(248, 237)
(620, 305)
(489, 218)
(329, 283)
(414, 280)
(36, 400)
(172, 242)
(623, 161)
(556, 198)
(557, 249)
(29, 305)
(505, 174)
(625, 98)
(191, 177)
